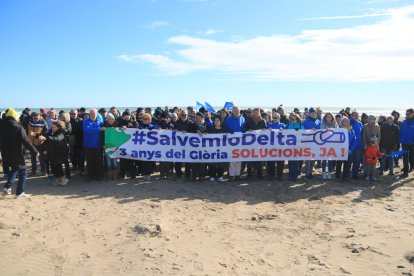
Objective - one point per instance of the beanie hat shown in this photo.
(318, 109)
(126, 112)
(13, 114)
(110, 116)
(372, 118)
(311, 110)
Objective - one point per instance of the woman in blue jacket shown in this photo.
(343, 168)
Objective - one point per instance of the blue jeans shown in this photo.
(389, 159)
(21, 184)
(324, 162)
(356, 161)
(41, 160)
(309, 167)
(111, 163)
(293, 170)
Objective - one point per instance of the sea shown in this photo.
(376, 111)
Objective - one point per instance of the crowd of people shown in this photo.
(61, 142)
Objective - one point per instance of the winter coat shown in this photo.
(357, 127)
(276, 125)
(39, 127)
(369, 131)
(76, 135)
(407, 132)
(390, 136)
(311, 123)
(371, 154)
(252, 125)
(13, 140)
(92, 138)
(57, 148)
(233, 124)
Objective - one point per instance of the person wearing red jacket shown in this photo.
(372, 153)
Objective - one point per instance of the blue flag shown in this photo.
(228, 105)
(209, 107)
(198, 106)
(398, 154)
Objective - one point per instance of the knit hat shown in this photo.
(43, 111)
(312, 110)
(371, 118)
(173, 115)
(318, 109)
(126, 112)
(35, 114)
(109, 116)
(12, 113)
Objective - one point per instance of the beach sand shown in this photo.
(133, 227)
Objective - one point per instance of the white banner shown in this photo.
(260, 145)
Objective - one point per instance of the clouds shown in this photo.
(158, 24)
(382, 51)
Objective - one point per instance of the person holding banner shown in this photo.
(256, 122)
(92, 144)
(328, 122)
(270, 166)
(343, 167)
(235, 123)
(199, 127)
(126, 165)
(312, 122)
(164, 123)
(148, 167)
(295, 122)
(182, 125)
(216, 170)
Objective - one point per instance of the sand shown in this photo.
(132, 227)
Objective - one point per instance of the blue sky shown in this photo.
(174, 52)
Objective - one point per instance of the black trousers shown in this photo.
(126, 166)
(343, 168)
(198, 170)
(270, 168)
(179, 172)
(94, 162)
(251, 166)
(57, 170)
(408, 158)
(216, 170)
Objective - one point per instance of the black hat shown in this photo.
(126, 112)
(82, 109)
(35, 114)
(199, 114)
(102, 110)
(165, 115)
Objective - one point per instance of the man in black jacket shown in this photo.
(390, 138)
(255, 122)
(13, 140)
(182, 125)
(77, 155)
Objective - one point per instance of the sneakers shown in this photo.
(324, 176)
(220, 179)
(211, 179)
(64, 181)
(329, 175)
(6, 191)
(22, 195)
